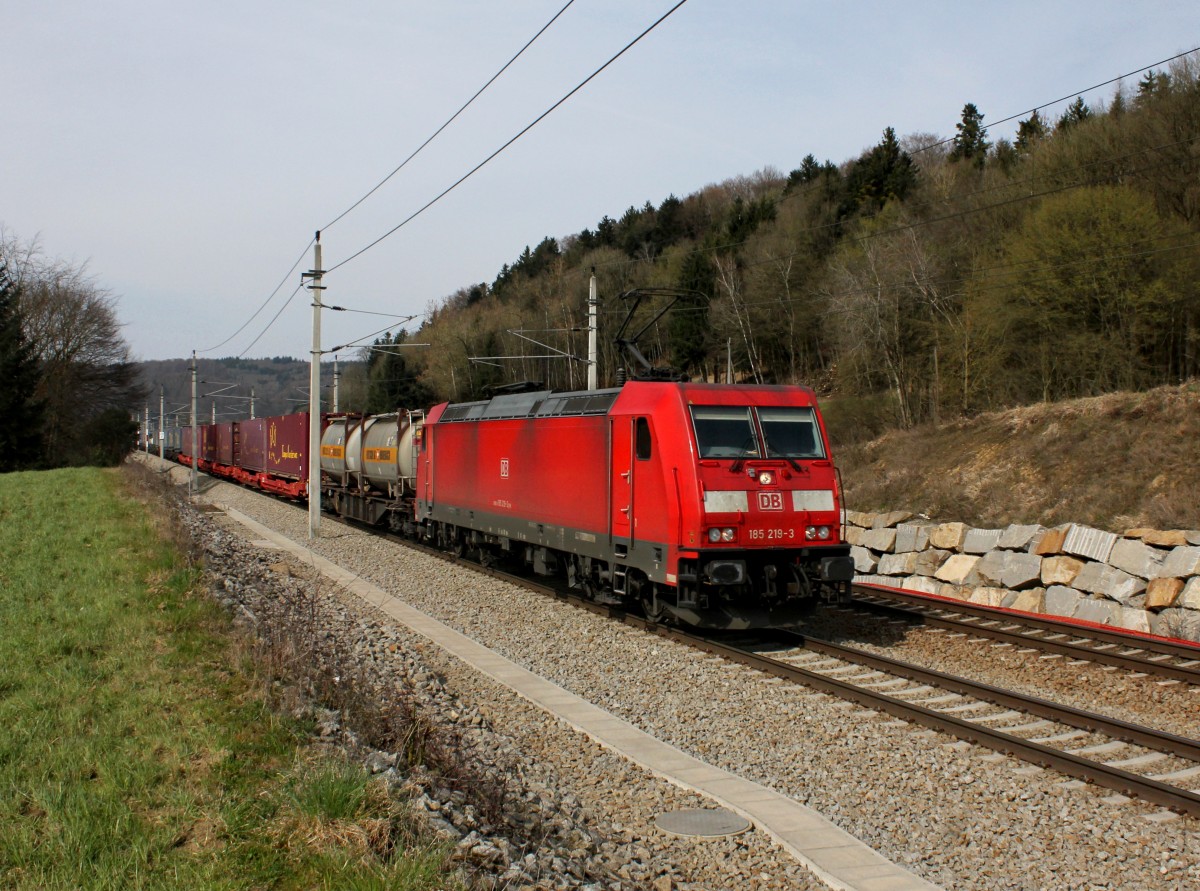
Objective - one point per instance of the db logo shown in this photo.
(503, 468)
(770, 501)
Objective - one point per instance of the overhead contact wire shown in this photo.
(271, 297)
(526, 129)
(451, 119)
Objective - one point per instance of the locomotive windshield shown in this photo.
(729, 432)
(724, 431)
(791, 433)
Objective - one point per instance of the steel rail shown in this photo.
(921, 614)
(1115, 778)
(1064, 714)
(1125, 782)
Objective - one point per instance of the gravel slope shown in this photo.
(954, 814)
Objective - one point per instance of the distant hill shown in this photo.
(279, 386)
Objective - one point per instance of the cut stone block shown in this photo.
(1109, 582)
(1022, 570)
(1062, 601)
(1181, 623)
(1018, 538)
(1102, 612)
(1161, 593)
(930, 560)
(948, 536)
(1136, 558)
(898, 564)
(860, 519)
(1060, 570)
(1132, 619)
(1174, 538)
(988, 596)
(980, 541)
(911, 537)
(879, 540)
(1084, 541)
(890, 519)
(990, 568)
(959, 570)
(1181, 563)
(921, 584)
(864, 560)
(955, 592)
(870, 579)
(852, 534)
(1190, 598)
(1030, 601)
(1051, 542)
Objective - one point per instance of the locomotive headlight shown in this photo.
(817, 533)
(714, 535)
(726, 535)
(766, 478)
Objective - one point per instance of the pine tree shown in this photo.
(971, 142)
(1030, 131)
(20, 414)
(392, 383)
(1077, 112)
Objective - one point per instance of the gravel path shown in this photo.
(955, 814)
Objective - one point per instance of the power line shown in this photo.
(525, 130)
(1111, 80)
(286, 304)
(450, 120)
(270, 297)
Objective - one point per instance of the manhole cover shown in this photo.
(702, 822)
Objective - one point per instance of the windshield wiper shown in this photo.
(750, 443)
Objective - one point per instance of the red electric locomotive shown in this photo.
(708, 504)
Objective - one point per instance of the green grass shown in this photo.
(137, 749)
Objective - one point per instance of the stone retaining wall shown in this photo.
(1143, 580)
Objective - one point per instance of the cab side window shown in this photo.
(642, 439)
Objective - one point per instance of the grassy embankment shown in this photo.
(137, 749)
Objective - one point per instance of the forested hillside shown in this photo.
(926, 279)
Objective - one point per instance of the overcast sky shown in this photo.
(187, 152)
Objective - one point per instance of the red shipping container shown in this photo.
(252, 445)
(223, 444)
(286, 446)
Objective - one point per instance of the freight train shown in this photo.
(704, 504)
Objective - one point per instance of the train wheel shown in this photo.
(651, 605)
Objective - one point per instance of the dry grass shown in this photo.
(1115, 461)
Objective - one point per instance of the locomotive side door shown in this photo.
(621, 483)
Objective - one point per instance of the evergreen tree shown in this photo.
(1154, 83)
(971, 142)
(1030, 131)
(882, 174)
(20, 414)
(1077, 112)
(391, 381)
(688, 329)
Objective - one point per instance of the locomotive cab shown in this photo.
(725, 503)
(770, 530)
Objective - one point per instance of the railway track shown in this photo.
(1132, 760)
(1157, 767)
(1170, 660)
